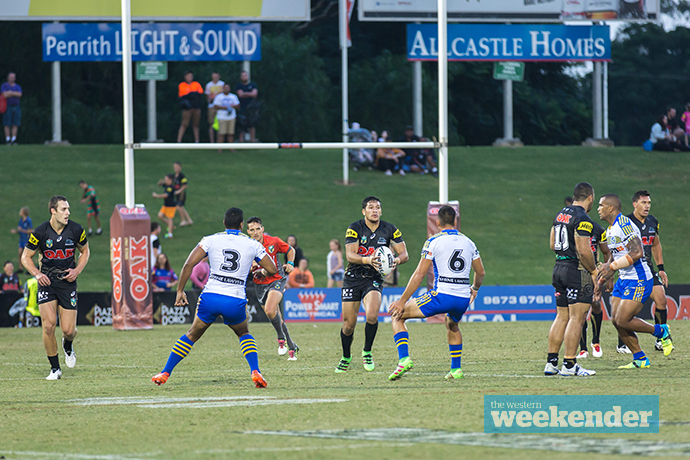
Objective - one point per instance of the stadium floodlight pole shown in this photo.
(606, 100)
(343, 59)
(127, 101)
(443, 101)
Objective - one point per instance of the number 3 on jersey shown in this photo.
(231, 260)
(456, 262)
(560, 238)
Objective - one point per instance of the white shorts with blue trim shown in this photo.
(432, 303)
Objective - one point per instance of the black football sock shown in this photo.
(583, 337)
(569, 362)
(370, 335)
(67, 346)
(552, 358)
(660, 316)
(596, 326)
(346, 340)
(54, 362)
(277, 326)
(620, 342)
(290, 343)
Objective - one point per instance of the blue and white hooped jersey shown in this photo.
(452, 254)
(617, 236)
(230, 256)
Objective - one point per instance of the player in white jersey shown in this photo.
(452, 255)
(230, 256)
(634, 284)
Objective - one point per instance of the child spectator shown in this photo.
(334, 264)
(301, 276)
(24, 229)
(164, 278)
(685, 118)
(94, 207)
(155, 241)
(9, 281)
(169, 207)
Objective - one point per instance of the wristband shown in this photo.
(289, 262)
(660, 267)
(622, 262)
(475, 289)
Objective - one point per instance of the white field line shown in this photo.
(264, 402)
(154, 400)
(77, 456)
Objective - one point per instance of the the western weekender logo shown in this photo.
(511, 42)
(89, 42)
(571, 414)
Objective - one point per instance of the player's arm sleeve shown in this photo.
(428, 250)
(351, 236)
(475, 252)
(584, 228)
(283, 247)
(203, 244)
(628, 231)
(82, 237)
(397, 235)
(260, 252)
(34, 239)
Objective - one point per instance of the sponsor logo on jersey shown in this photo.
(397, 233)
(270, 248)
(381, 240)
(59, 238)
(585, 226)
(627, 292)
(363, 240)
(564, 218)
(83, 236)
(69, 242)
(376, 284)
(351, 233)
(33, 240)
(49, 243)
(58, 254)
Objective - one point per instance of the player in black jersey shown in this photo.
(573, 279)
(57, 240)
(597, 241)
(362, 282)
(649, 229)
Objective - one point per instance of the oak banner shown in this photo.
(130, 262)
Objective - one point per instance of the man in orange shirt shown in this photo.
(301, 276)
(269, 289)
(189, 98)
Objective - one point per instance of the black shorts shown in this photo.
(180, 202)
(572, 285)
(355, 289)
(262, 290)
(64, 293)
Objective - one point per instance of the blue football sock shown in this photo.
(179, 351)
(402, 339)
(639, 355)
(250, 352)
(455, 356)
(658, 331)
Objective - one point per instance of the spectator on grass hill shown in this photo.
(12, 119)
(673, 125)
(248, 94)
(9, 281)
(94, 207)
(389, 160)
(299, 255)
(189, 98)
(301, 276)
(334, 264)
(180, 184)
(226, 104)
(685, 118)
(155, 240)
(24, 229)
(163, 277)
(662, 139)
(213, 88)
(361, 157)
(200, 274)
(167, 211)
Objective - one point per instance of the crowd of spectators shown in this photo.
(669, 134)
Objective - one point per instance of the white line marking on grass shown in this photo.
(25, 453)
(159, 402)
(303, 448)
(607, 446)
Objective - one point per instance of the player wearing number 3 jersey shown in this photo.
(452, 255)
(362, 282)
(230, 256)
(573, 280)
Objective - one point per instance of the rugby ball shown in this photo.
(386, 258)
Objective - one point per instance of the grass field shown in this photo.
(508, 198)
(108, 408)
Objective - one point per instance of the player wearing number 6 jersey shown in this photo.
(452, 255)
(634, 285)
(573, 280)
(230, 256)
